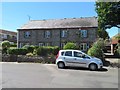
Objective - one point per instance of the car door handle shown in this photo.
(64, 58)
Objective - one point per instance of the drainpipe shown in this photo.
(17, 39)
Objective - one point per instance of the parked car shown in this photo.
(76, 58)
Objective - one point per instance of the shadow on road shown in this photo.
(86, 69)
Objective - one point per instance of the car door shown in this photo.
(68, 58)
(79, 60)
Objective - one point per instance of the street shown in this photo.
(35, 75)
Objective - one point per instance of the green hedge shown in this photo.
(43, 51)
(13, 45)
(18, 51)
(30, 48)
(70, 45)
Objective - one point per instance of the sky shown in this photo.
(16, 14)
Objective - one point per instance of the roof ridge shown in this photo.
(64, 18)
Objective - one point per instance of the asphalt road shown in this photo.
(25, 75)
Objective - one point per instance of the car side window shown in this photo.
(77, 54)
(62, 53)
(68, 53)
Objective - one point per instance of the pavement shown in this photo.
(35, 75)
(113, 60)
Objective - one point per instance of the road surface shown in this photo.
(26, 75)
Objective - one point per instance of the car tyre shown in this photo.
(61, 65)
(93, 67)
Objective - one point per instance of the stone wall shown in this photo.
(37, 36)
(24, 58)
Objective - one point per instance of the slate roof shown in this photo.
(7, 32)
(61, 23)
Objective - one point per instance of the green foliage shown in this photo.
(13, 45)
(97, 49)
(4, 51)
(70, 45)
(103, 34)
(26, 46)
(108, 14)
(99, 43)
(117, 51)
(18, 51)
(30, 48)
(44, 51)
(5, 44)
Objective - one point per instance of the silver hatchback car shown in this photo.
(76, 58)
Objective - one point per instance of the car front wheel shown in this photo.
(93, 67)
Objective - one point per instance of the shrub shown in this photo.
(99, 43)
(97, 50)
(70, 46)
(49, 49)
(42, 51)
(30, 48)
(117, 51)
(5, 46)
(18, 51)
(26, 46)
(56, 50)
(13, 45)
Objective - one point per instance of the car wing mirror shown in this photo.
(83, 56)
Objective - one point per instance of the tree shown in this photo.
(103, 34)
(108, 16)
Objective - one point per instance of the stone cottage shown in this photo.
(57, 32)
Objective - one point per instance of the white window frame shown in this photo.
(41, 44)
(83, 33)
(85, 46)
(21, 45)
(27, 34)
(64, 33)
(4, 36)
(47, 44)
(47, 34)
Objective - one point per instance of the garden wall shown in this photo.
(25, 58)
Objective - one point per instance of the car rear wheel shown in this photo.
(93, 67)
(61, 65)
